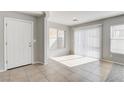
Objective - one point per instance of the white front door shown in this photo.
(18, 42)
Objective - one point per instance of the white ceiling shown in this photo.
(66, 17)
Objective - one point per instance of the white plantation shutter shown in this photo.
(61, 38)
(117, 39)
(56, 38)
(52, 38)
(87, 42)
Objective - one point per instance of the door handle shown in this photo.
(30, 44)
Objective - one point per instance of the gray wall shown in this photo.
(40, 39)
(23, 17)
(106, 23)
(64, 51)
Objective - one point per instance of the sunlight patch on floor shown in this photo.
(73, 60)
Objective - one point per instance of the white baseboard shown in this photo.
(37, 62)
(112, 61)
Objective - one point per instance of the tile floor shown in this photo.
(57, 72)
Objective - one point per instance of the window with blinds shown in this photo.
(87, 42)
(117, 39)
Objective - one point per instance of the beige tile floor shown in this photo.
(57, 72)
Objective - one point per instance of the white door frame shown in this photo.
(5, 40)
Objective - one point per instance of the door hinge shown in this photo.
(6, 43)
(6, 24)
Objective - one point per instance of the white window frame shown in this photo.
(57, 38)
(93, 26)
(110, 39)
